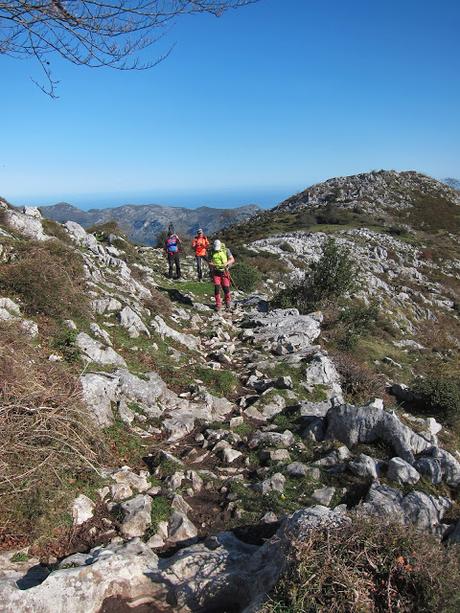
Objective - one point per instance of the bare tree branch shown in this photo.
(94, 33)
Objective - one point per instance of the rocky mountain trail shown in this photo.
(229, 434)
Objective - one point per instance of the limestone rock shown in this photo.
(266, 407)
(273, 484)
(137, 482)
(365, 466)
(82, 509)
(106, 305)
(298, 469)
(274, 439)
(137, 516)
(321, 371)
(402, 472)
(181, 529)
(99, 391)
(94, 351)
(132, 322)
(323, 495)
(162, 328)
(418, 508)
(353, 425)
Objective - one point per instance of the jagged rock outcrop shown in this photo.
(220, 572)
(422, 510)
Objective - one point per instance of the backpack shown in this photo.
(171, 244)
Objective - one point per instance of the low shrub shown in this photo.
(358, 381)
(369, 565)
(397, 231)
(48, 278)
(439, 396)
(64, 341)
(245, 276)
(354, 322)
(285, 246)
(330, 278)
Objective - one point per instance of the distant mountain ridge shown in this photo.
(144, 223)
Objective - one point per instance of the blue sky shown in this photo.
(250, 107)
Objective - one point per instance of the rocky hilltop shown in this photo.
(160, 456)
(144, 223)
(383, 192)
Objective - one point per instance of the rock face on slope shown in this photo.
(375, 192)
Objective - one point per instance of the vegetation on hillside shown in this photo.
(368, 565)
(329, 279)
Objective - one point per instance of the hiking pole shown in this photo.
(233, 282)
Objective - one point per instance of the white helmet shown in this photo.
(217, 245)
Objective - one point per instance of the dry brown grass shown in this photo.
(159, 303)
(48, 278)
(369, 566)
(47, 434)
(358, 381)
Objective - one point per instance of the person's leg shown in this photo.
(177, 261)
(226, 287)
(170, 265)
(217, 279)
(199, 268)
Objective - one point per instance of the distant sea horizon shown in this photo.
(225, 198)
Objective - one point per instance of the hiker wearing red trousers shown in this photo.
(220, 261)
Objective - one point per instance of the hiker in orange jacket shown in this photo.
(200, 244)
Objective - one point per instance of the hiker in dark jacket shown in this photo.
(173, 247)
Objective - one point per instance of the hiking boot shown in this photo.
(228, 307)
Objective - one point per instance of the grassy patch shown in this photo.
(161, 510)
(125, 445)
(219, 382)
(20, 556)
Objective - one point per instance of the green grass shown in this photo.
(161, 510)
(20, 556)
(244, 429)
(221, 383)
(125, 444)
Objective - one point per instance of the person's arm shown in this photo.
(230, 259)
(194, 243)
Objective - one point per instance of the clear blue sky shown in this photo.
(250, 107)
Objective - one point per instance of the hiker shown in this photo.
(220, 261)
(200, 243)
(172, 248)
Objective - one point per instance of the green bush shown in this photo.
(439, 396)
(245, 277)
(64, 341)
(330, 278)
(48, 278)
(355, 321)
(369, 565)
